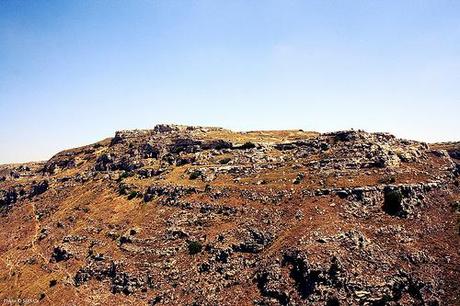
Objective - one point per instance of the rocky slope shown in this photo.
(205, 216)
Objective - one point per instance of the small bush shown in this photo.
(299, 178)
(456, 206)
(132, 195)
(124, 175)
(123, 189)
(390, 179)
(195, 174)
(225, 160)
(194, 247)
(333, 301)
(247, 145)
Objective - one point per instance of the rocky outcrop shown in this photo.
(170, 192)
(10, 196)
(60, 253)
(38, 189)
(332, 284)
(254, 241)
(181, 215)
(398, 200)
(121, 282)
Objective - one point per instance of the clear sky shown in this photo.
(73, 72)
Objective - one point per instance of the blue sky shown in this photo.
(73, 72)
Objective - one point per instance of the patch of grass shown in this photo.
(194, 247)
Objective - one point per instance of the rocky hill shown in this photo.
(452, 148)
(182, 215)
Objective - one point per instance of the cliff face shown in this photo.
(205, 216)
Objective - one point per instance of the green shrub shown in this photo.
(124, 175)
(132, 195)
(123, 189)
(195, 174)
(224, 161)
(194, 247)
(247, 145)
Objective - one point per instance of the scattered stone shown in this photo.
(254, 242)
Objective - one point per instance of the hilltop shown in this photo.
(182, 215)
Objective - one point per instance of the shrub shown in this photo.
(393, 201)
(456, 206)
(247, 145)
(458, 225)
(390, 179)
(132, 195)
(333, 301)
(123, 189)
(194, 247)
(124, 175)
(225, 160)
(195, 174)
